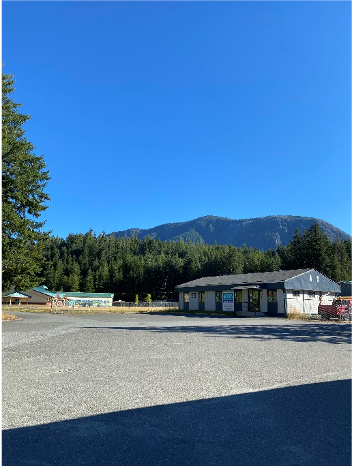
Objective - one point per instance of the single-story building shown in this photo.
(41, 295)
(15, 298)
(258, 294)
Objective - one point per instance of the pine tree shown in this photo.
(24, 179)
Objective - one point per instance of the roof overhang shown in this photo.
(16, 294)
(247, 287)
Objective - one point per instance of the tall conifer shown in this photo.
(24, 178)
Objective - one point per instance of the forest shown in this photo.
(130, 266)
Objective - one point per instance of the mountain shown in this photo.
(261, 233)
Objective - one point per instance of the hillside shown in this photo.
(261, 233)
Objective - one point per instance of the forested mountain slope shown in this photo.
(262, 233)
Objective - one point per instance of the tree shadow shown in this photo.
(300, 425)
(198, 314)
(310, 332)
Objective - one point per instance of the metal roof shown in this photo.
(16, 294)
(76, 294)
(44, 290)
(73, 294)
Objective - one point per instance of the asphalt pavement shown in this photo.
(133, 389)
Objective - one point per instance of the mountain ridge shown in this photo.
(260, 232)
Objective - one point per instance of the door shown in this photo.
(254, 300)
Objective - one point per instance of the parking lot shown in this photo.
(133, 389)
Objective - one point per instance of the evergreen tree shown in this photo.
(24, 179)
(251, 260)
(102, 278)
(74, 278)
(340, 268)
(294, 255)
(317, 249)
(59, 276)
(89, 282)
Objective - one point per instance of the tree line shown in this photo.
(130, 266)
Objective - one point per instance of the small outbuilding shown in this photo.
(259, 294)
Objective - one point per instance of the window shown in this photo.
(272, 296)
(201, 297)
(218, 296)
(238, 296)
(295, 293)
(185, 297)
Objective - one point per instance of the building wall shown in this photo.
(327, 298)
(210, 301)
(311, 303)
(312, 281)
(294, 303)
(306, 302)
(36, 298)
(346, 288)
(95, 301)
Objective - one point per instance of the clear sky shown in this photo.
(157, 112)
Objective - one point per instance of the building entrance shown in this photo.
(254, 300)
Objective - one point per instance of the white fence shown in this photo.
(169, 304)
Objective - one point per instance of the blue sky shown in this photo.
(156, 112)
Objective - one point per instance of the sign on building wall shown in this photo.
(227, 301)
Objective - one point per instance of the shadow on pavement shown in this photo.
(291, 426)
(328, 333)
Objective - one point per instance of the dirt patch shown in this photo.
(8, 316)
